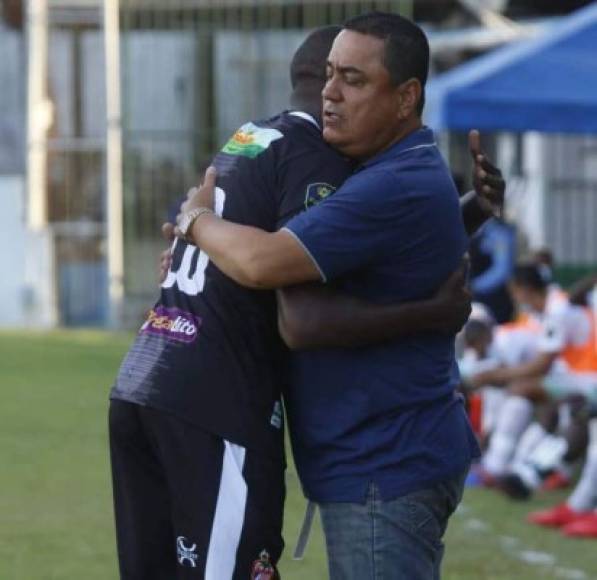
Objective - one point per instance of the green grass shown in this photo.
(55, 498)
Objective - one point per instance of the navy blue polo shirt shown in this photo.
(386, 413)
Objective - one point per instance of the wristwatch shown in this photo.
(188, 219)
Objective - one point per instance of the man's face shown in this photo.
(362, 110)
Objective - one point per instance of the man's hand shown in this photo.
(202, 196)
(487, 178)
(166, 256)
(453, 302)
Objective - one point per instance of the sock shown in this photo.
(515, 415)
(583, 497)
(528, 441)
(493, 399)
(531, 438)
(542, 460)
(548, 453)
(529, 475)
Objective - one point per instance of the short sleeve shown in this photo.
(352, 228)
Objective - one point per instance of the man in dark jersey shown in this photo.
(196, 417)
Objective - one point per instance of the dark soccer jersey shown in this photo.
(209, 350)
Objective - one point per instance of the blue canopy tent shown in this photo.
(547, 84)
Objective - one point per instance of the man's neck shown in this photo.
(307, 103)
(408, 127)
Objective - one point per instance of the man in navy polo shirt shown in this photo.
(381, 441)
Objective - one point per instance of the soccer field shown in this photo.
(55, 502)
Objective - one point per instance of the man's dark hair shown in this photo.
(310, 59)
(531, 276)
(406, 48)
(544, 256)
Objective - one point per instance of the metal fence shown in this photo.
(571, 208)
(76, 170)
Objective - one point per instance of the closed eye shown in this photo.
(354, 80)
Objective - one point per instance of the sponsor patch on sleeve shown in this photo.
(251, 140)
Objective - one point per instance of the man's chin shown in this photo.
(331, 136)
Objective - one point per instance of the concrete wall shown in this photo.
(12, 249)
(12, 101)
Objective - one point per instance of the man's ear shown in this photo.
(410, 95)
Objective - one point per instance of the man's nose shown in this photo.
(331, 90)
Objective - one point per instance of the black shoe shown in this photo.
(513, 486)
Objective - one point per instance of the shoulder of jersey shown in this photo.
(255, 137)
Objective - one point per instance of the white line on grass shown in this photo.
(513, 547)
(570, 574)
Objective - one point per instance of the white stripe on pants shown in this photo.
(229, 517)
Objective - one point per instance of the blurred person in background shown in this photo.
(563, 364)
(488, 346)
(476, 341)
(548, 447)
(544, 259)
(493, 255)
(577, 516)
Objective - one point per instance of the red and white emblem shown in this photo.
(263, 569)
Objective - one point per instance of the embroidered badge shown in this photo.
(317, 192)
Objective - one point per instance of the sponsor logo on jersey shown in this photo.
(251, 140)
(317, 192)
(186, 554)
(171, 323)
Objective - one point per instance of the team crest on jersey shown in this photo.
(172, 324)
(317, 192)
(251, 140)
